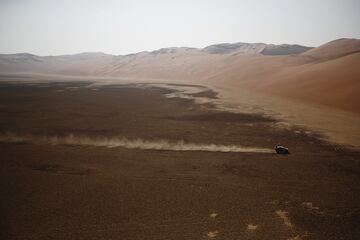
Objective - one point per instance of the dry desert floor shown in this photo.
(127, 162)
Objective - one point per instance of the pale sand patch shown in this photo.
(310, 206)
(212, 234)
(297, 237)
(213, 215)
(284, 216)
(252, 227)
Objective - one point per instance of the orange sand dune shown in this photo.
(335, 83)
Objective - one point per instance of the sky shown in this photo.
(55, 27)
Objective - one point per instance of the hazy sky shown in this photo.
(53, 27)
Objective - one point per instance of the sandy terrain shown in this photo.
(85, 190)
(326, 75)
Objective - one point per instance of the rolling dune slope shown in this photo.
(334, 83)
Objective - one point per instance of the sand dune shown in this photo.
(334, 83)
(324, 75)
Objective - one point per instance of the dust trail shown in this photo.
(112, 142)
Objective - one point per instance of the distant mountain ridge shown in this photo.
(99, 63)
(256, 48)
(222, 48)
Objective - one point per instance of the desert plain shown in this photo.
(82, 160)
